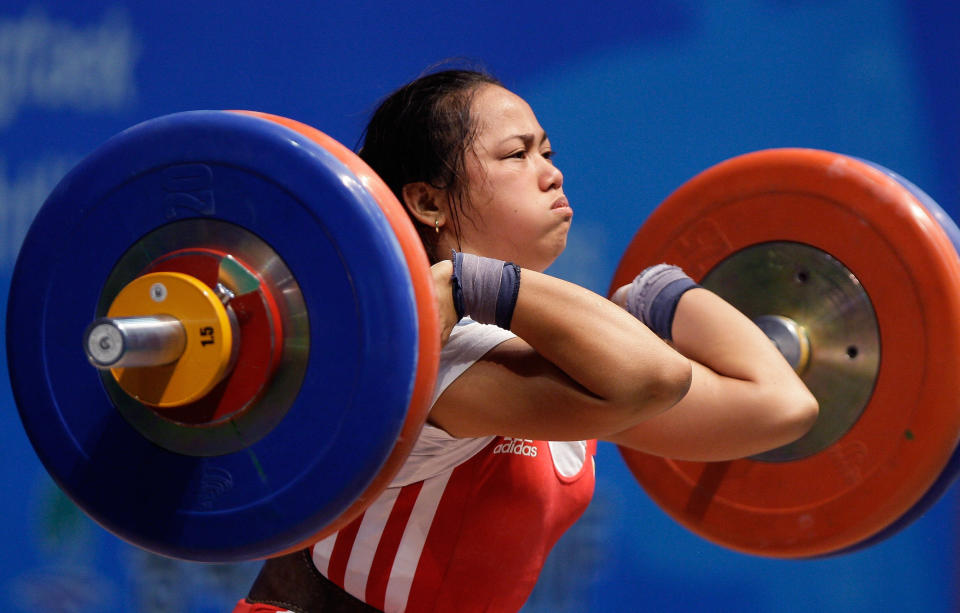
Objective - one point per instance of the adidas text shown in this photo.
(517, 446)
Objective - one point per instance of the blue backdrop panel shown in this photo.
(637, 98)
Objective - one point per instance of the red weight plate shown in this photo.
(878, 470)
(429, 327)
(260, 342)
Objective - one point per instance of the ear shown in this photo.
(426, 203)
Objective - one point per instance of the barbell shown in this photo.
(223, 341)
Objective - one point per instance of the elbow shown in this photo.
(661, 389)
(679, 380)
(806, 413)
(797, 412)
(645, 388)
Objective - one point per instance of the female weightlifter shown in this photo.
(533, 371)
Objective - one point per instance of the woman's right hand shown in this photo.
(442, 273)
(619, 297)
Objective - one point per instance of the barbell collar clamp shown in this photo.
(790, 338)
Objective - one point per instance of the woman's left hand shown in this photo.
(442, 273)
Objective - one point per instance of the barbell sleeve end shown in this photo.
(128, 342)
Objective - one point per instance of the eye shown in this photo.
(518, 154)
(548, 154)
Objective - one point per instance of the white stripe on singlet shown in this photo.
(361, 558)
(412, 542)
(366, 543)
(322, 551)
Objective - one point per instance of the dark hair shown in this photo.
(422, 132)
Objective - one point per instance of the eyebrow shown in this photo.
(528, 138)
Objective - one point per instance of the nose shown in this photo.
(550, 176)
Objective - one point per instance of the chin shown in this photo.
(543, 263)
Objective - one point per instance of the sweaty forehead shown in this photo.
(500, 113)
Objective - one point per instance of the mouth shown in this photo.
(562, 208)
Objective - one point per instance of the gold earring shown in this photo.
(436, 225)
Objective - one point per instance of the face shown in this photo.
(515, 207)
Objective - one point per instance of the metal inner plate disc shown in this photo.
(270, 407)
(815, 290)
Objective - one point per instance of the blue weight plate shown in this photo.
(942, 217)
(952, 469)
(296, 197)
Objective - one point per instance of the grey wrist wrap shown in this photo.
(653, 296)
(485, 289)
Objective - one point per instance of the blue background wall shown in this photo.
(637, 97)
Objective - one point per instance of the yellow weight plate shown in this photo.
(210, 343)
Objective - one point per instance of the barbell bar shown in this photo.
(294, 294)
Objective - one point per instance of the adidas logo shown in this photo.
(517, 446)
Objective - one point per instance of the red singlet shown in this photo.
(467, 524)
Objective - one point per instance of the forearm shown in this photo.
(709, 330)
(597, 344)
(580, 368)
(744, 398)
